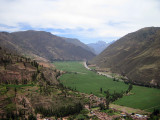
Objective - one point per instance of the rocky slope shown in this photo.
(136, 55)
(43, 44)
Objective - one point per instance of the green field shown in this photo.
(144, 98)
(86, 81)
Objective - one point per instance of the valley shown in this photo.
(80, 60)
(44, 76)
(79, 78)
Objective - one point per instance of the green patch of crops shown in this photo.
(70, 66)
(87, 81)
(143, 98)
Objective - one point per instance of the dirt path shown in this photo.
(85, 65)
(105, 74)
(127, 109)
(100, 73)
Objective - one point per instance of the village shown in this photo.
(110, 114)
(95, 101)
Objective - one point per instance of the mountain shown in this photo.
(99, 46)
(28, 88)
(136, 55)
(79, 43)
(43, 44)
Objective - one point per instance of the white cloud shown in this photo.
(107, 18)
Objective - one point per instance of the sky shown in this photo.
(88, 20)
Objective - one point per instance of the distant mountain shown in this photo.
(99, 46)
(43, 44)
(136, 55)
(78, 43)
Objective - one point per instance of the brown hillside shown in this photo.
(28, 89)
(79, 43)
(16, 69)
(136, 55)
(43, 44)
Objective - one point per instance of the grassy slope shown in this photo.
(87, 81)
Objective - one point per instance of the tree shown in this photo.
(154, 115)
(102, 107)
(156, 112)
(23, 102)
(40, 89)
(32, 117)
(5, 65)
(15, 90)
(24, 64)
(16, 82)
(129, 88)
(107, 103)
(101, 90)
(58, 74)
(107, 94)
(107, 99)
(24, 81)
(7, 88)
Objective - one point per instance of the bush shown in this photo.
(32, 117)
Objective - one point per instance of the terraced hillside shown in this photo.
(29, 90)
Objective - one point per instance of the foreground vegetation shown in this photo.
(79, 78)
(19, 101)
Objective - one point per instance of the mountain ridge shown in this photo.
(79, 43)
(136, 55)
(43, 44)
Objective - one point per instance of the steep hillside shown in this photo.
(136, 55)
(17, 69)
(79, 43)
(29, 90)
(99, 46)
(43, 44)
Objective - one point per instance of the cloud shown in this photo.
(86, 19)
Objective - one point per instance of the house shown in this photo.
(123, 114)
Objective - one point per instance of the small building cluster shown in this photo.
(139, 117)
